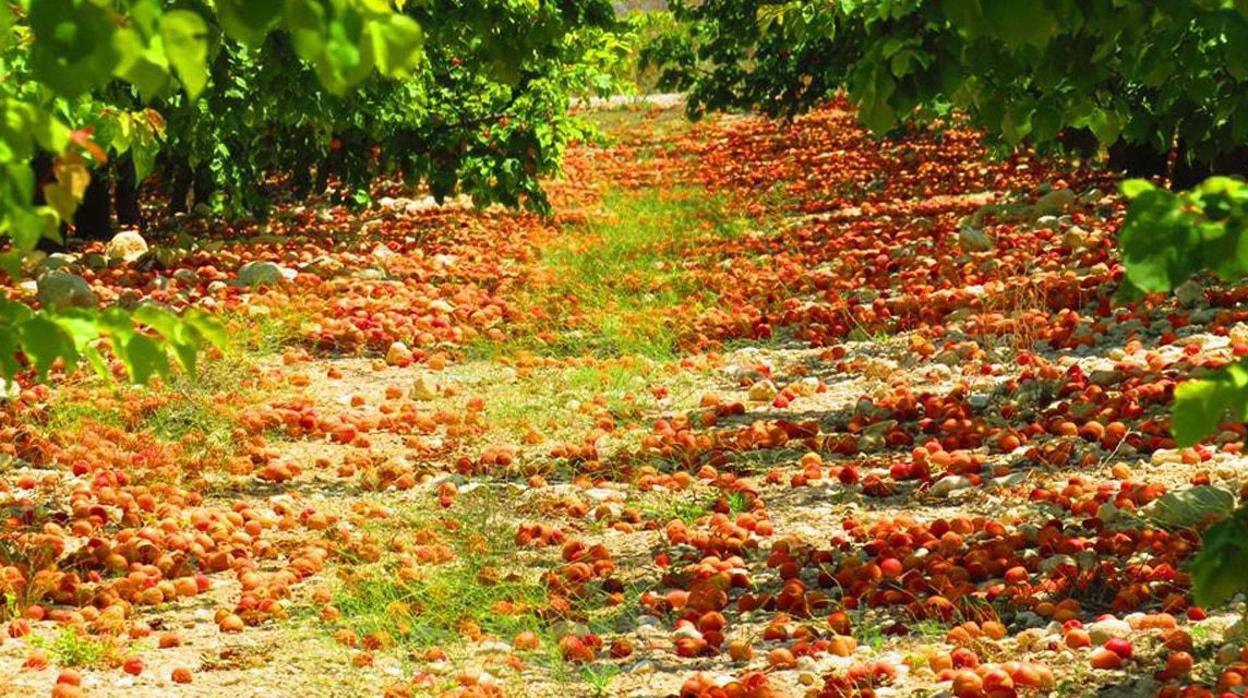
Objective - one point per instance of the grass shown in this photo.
(433, 607)
(71, 648)
(617, 282)
(686, 511)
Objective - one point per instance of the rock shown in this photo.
(398, 355)
(763, 391)
(1075, 238)
(129, 299)
(1054, 203)
(324, 266)
(57, 290)
(1190, 293)
(423, 388)
(948, 357)
(253, 274)
(807, 386)
(1046, 223)
(95, 260)
(880, 369)
(57, 260)
(1103, 630)
(125, 247)
(949, 484)
(975, 240)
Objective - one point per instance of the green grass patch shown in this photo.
(72, 649)
(197, 411)
(619, 281)
(431, 608)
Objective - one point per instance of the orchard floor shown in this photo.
(748, 416)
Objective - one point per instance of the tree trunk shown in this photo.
(1137, 160)
(127, 194)
(180, 185)
(203, 185)
(93, 219)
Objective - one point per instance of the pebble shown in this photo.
(423, 388)
(763, 391)
(1103, 630)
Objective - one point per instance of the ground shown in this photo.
(765, 408)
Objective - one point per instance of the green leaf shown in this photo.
(397, 45)
(208, 325)
(1192, 506)
(1160, 245)
(248, 21)
(186, 44)
(145, 68)
(1220, 569)
(45, 341)
(1201, 405)
(1021, 21)
(143, 357)
(73, 50)
(1132, 188)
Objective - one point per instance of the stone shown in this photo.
(949, 484)
(57, 290)
(58, 261)
(1046, 223)
(763, 391)
(1054, 203)
(423, 388)
(1103, 630)
(125, 247)
(186, 276)
(398, 355)
(1075, 238)
(975, 240)
(1190, 293)
(253, 274)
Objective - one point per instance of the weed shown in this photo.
(70, 648)
(434, 604)
(599, 678)
(669, 509)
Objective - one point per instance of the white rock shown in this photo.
(57, 290)
(763, 391)
(949, 484)
(125, 247)
(602, 494)
(975, 240)
(423, 388)
(1102, 630)
(254, 274)
(398, 354)
(1054, 203)
(687, 631)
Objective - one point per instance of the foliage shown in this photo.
(1148, 71)
(463, 96)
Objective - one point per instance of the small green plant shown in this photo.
(71, 648)
(432, 604)
(599, 678)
